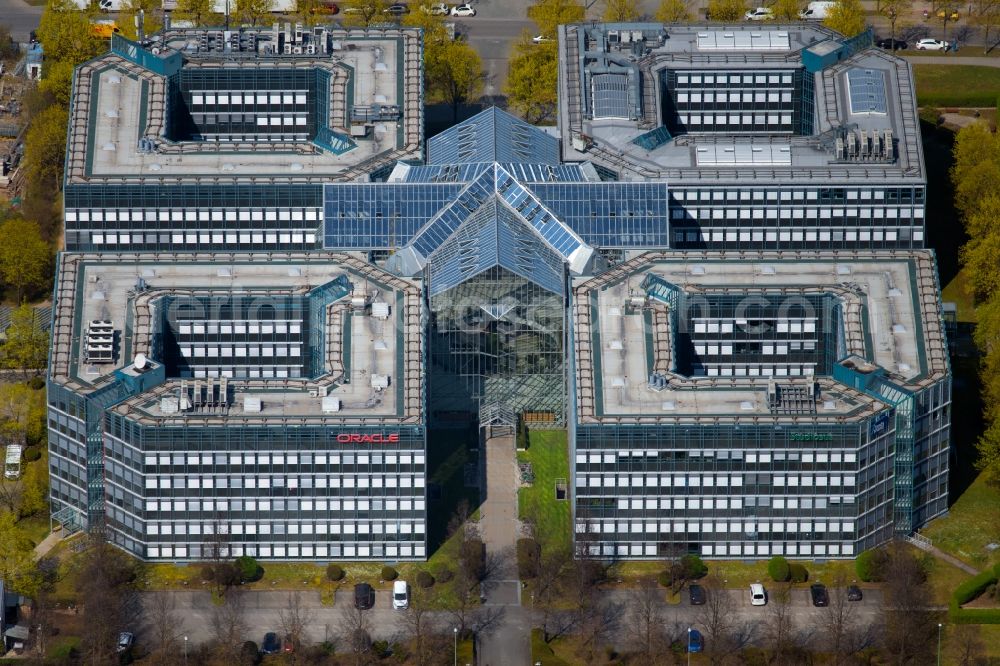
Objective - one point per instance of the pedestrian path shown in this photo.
(924, 544)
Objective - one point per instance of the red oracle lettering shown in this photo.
(376, 438)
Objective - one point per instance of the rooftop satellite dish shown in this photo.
(140, 362)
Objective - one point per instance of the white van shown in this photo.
(758, 595)
(816, 11)
(12, 462)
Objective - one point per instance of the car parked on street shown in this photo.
(397, 10)
(928, 44)
(364, 596)
(125, 640)
(759, 14)
(541, 39)
(819, 595)
(854, 593)
(437, 9)
(890, 44)
(758, 595)
(696, 593)
(463, 10)
(696, 642)
(270, 644)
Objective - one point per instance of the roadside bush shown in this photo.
(778, 569)
(388, 573)
(248, 568)
(334, 572)
(424, 579)
(443, 574)
(528, 555)
(226, 575)
(473, 559)
(798, 573)
(207, 572)
(692, 567)
(870, 565)
(32, 453)
(249, 654)
(36, 383)
(665, 578)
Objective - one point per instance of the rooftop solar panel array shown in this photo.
(866, 90)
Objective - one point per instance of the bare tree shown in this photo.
(910, 629)
(843, 635)
(968, 648)
(354, 628)
(646, 626)
(596, 621)
(165, 628)
(545, 592)
(229, 626)
(717, 617)
(292, 619)
(110, 603)
(779, 630)
(420, 626)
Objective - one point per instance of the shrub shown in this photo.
(692, 567)
(207, 572)
(973, 587)
(798, 573)
(870, 565)
(473, 559)
(424, 579)
(334, 572)
(778, 569)
(444, 574)
(930, 115)
(528, 555)
(36, 383)
(249, 653)
(32, 453)
(226, 575)
(388, 573)
(249, 570)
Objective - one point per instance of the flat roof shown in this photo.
(119, 99)
(126, 290)
(890, 314)
(807, 159)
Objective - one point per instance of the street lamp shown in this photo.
(455, 632)
(689, 646)
(939, 644)
(185, 650)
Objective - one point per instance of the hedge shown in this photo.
(798, 573)
(969, 590)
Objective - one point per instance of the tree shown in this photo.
(17, 558)
(674, 11)
(35, 495)
(967, 646)
(986, 15)
(15, 405)
(152, 12)
(910, 629)
(979, 254)
(726, 10)
(229, 625)
(786, 10)
(292, 619)
(647, 623)
(25, 258)
(846, 17)
(718, 617)
(166, 628)
(893, 10)
(105, 587)
(842, 634)
(778, 628)
(254, 12)
(65, 34)
(199, 12)
(363, 13)
(617, 11)
(532, 80)
(26, 347)
(778, 569)
(45, 146)
(420, 628)
(248, 568)
(58, 82)
(354, 629)
(454, 75)
(548, 15)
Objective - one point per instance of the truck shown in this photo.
(816, 11)
(12, 461)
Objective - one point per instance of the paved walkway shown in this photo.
(48, 543)
(509, 644)
(941, 555)
(982, 61)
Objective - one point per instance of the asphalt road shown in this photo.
(20, 17)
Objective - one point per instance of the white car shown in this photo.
(400, 595)
(463, 10)
(541, 39)
(759, 14)
(929, 44)
(758, 595)
(437, 9)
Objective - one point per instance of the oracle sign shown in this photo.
(376, 438)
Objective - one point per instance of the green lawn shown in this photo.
(739, 574)
(957, 85)
(549, 458)
(542, 652)
(942, 577)
(972, 524)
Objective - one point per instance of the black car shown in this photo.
(397, 10)
(890, 44)
(271, 644)
(854, 593)
(819, 595)
(696, 593)
(364, 596)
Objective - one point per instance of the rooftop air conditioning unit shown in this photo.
(251, 404)
(331, 404)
